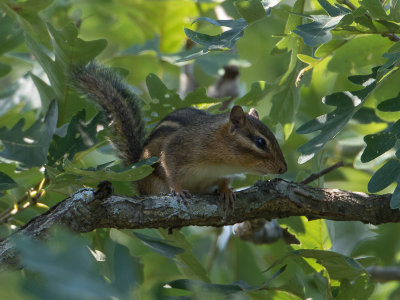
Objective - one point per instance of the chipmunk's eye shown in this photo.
(260, 143)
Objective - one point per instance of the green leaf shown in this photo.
(377, 144)
(385, 176)
(366, 115)
(164, 100)
(362, 288)
(311, 61)
(26, 13)
(6, 182)
(30, 147)
(295, 286)
(338, 266)
(127, 270)
(375, 8)
(225, 289)
(250, 10)
(159, 246)
(238, 286)
(79, 137)
(257, 92)
(93, 176)
(68, 50)
(4, 69)
(393, 61)
(223, 41)
(199, 95)
(394, 10)
(46, 93)
(64, 266)
(368, 261)
(392, 104)
(284, 107)
(333, 11)
(188, 264)
(318, 31)
(10, 35)
(347, 104)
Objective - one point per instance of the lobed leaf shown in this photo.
(30, 147)
(68, 50)
(318, 31)
(392, 104)
(165, 100)
(377, 144)
(79, 136)
(223, 41)
(347, 104)
(385, 176)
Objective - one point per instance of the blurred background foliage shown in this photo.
(291, 54)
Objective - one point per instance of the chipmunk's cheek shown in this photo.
(271, 168)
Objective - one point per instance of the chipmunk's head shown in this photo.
(254, 145)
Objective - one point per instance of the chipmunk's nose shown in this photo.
(283, 169)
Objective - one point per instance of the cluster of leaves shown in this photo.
(369, 18)
(64, 266)
(53, 148)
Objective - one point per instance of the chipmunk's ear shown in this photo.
(237, 117)
(254, 113)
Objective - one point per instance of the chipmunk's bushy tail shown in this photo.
(106, 88)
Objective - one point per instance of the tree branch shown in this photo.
(89, 209)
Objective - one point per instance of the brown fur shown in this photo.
(197, 151)
(200, 151)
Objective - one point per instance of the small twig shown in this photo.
(384, 274)
(314, 176)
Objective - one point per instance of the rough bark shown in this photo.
(89, 209)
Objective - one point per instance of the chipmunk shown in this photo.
(197, 151)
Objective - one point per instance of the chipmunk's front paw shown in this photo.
(181, 196)
(228, 197)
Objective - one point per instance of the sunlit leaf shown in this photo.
(375, 8)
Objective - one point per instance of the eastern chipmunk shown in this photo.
(198, 151)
